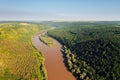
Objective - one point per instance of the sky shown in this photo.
(66, 10)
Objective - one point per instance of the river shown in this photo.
(54, 64)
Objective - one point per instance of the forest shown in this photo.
(91, 50)
(19, 59)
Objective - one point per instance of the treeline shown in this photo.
(71, 63)
(96, 47)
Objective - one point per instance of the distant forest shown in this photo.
(91, 49)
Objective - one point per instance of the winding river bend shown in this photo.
(54, 64)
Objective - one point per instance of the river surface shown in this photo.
(54, 64)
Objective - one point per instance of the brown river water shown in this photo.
(54, 64)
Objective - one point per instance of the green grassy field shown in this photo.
(19, 60)
(91, 51)
(47, 40)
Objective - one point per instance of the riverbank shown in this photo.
(54, 64)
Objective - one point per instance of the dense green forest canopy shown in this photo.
(96, 47)
(78, 23)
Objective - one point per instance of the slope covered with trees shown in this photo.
(19, 60)
(92, 51)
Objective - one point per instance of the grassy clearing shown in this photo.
(47, 40)
(19, 60)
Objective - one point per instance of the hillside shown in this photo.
(91, 52)
(19, 60)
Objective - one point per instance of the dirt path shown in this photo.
(54, 65)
